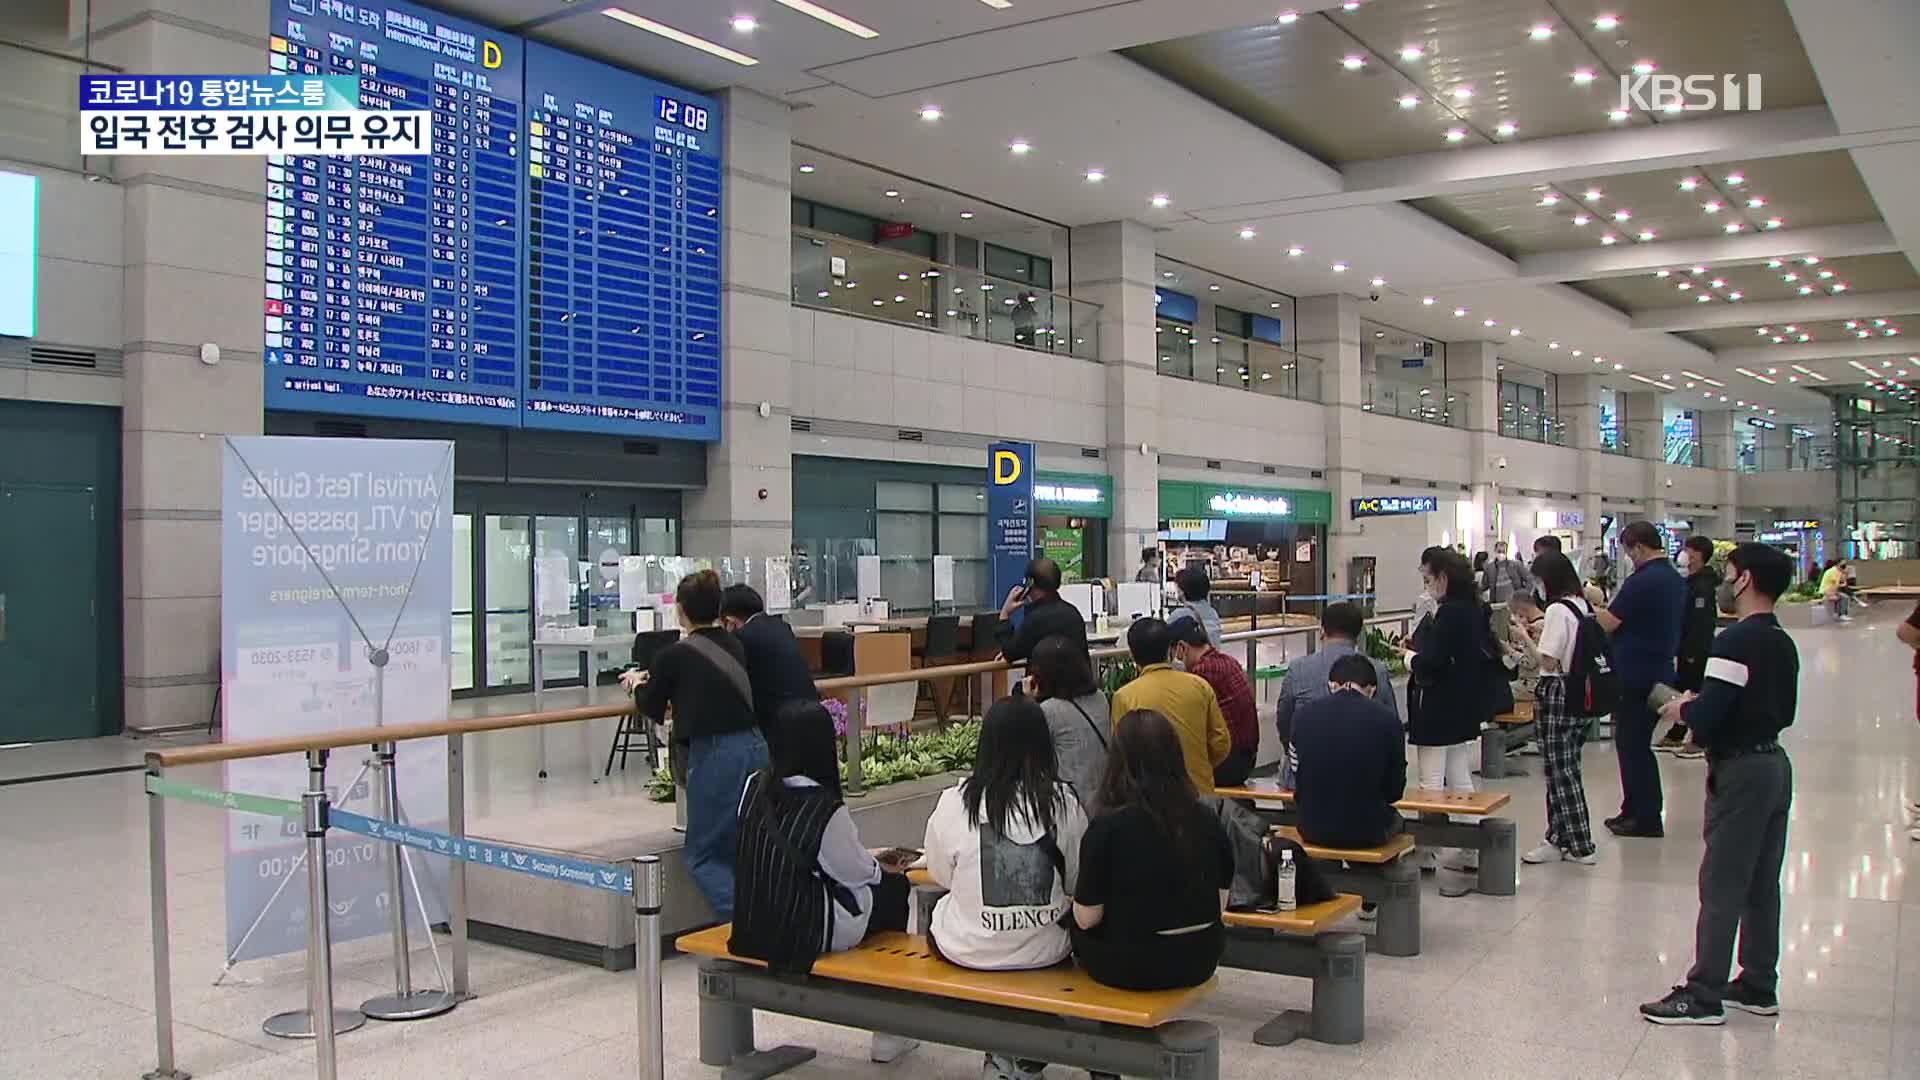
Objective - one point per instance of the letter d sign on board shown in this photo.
(1009, 514)
(490, 55)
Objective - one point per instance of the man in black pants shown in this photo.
(1747, 699)
(1644, 620)
(1696, 633)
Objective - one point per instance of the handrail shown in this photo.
(373, 736)
(822, 235)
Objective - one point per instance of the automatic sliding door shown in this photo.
(507, 542)
(463, 578)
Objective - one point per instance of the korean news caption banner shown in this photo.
(1009, 513)
(327, 545)
(242, 115)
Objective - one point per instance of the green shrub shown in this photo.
(886, 759)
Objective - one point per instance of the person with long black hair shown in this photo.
(1005, 844)
(1448, 696)
(1060, 678)
(1155, 868)
(1562, 735)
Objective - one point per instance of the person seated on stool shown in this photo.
(1353, 762)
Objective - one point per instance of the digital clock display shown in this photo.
(684, 113)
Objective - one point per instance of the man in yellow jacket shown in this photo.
(1187, 701)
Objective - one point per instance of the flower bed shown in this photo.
(886, 758)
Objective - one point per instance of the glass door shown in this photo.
(558, 587)
(507, 545)
(461, 654)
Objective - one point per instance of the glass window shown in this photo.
(1174, 345)
(508, 549)
(461, 652)
(1019, 266)
(897, 495)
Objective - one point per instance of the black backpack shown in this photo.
(1593, 686)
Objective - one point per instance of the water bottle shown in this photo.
(1283, 882)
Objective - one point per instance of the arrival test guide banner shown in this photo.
(319, 535)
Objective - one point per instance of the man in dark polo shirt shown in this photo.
(1747, 698)
(1644, 619)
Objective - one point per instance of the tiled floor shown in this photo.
(1539, 985)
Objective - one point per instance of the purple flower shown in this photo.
(838, 710)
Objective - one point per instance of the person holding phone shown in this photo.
(1034, 611)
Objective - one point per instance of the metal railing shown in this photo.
(40, 99)
(315, 812)
(834, 273)
(1428, 403)
(1801, 457)
(1259, 366)
(1524, 422)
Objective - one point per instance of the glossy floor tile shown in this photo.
(1542, 984)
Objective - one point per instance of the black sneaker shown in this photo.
(1738, 995)
(1681, 1007)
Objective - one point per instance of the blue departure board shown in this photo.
(554, 264)
(394, 283)
(623, 252)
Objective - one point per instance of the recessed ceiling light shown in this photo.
(892, 193)
(1214, 287)
(806, 168)
(1094, 176)
(745, 24)
(1735, 295)
(1773, 223)
(1459, 312)
(1296, 251)
(1736, 179)
(1513, 331)
(1646, 234)
(1582, 77)
(1020, 146)
(1411, 53)
(1838, 287)
(1553, 344)
(1643, 67)
(1773, 264)
(1719, 283)
(1489, 322)
(1702, 298)
(1852, 324)
(1549, 199)
(1247, 233)
(1353, 61)
(1697, 270)
(1811, 260)
(1609, 240)
(833, 19)
(1711, 207)
(1662, 273)
(1581, 219)
(1339, 268)
(1427, 300)
(930, 113)
(1606, 22)
(1792, 329)
(1593, 195)
(1623, 215)
(1455, 134)
(1618, 116)
(1408, 101)
(1689, 183)
(1288, 18)
(1378, 282)
(1462, 93)
(1159, 200)
(1350, 5)
(966, 215)
(1506, 128)
(1756, 203)
(1168, 274)
(1540, 32)
(1733, 226)
(1684, 286)
(680, 37)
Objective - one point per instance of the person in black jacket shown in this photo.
(1448, 697)
(1035, 611)
(1696, 632)
(1353, 761)
(775, 668)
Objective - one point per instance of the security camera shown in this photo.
(1374, 296)
(1500, 462)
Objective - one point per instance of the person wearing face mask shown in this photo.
(1644, 619)
(1353, 761)
(1696, 633)
(1746, 700)
(1196, 655)
(1450, 693)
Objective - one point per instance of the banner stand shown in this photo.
(405, 1003)
(299, 1024)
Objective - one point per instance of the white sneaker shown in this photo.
(1545, 853)
(1591, 858)
(889, 1048)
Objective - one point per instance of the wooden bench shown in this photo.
(1430, 822)
(1056, 1014)
(1502, 736)
(1382, 875)
(1302, 943)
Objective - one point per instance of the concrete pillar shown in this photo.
(1642, 425)
(194, 273)
(1113, 267)
(1328, 328)
(1580, 409)
(747, 506)
(1718, 430)
(1473, 373)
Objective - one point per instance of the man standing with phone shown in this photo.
(1042, 613)
(1748, 697)
(1644, 619)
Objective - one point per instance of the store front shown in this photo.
(1801, 539)
(1235, 531)
(1070, 522)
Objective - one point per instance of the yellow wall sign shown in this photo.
(1186, 525)
(490, 55)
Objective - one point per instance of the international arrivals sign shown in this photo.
(1394, 505)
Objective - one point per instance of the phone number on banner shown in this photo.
(539, 864)
(342, 132)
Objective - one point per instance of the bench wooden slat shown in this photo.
(1375, 856)
(1522, 714)
(1311, 919)
(903, 962)
(1415, 800)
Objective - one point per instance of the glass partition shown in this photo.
(837, 274)
(1265, 369)
(1425, 402)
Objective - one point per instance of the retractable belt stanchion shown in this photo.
(163, 1068)
(649, 891)
(457, 872)
(301, 1024)
(405, 1003)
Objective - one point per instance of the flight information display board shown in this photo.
(394, 283)
(623, 251)
(554, 264)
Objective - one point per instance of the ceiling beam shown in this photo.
(1811, 352)
(1697, 316)
(1504, 166)
(1624, 260)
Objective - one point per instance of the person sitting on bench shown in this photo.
(1155, 868)
(800, 864)
(1353, 762)
(1005, 843)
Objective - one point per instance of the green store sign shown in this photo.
(1086, 495)
(1232, 502)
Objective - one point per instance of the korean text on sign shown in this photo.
(224, 93)
(358, 132)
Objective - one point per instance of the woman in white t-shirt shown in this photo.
(1005, 843)
(1562, 736)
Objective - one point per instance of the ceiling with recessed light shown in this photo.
(1473, 155)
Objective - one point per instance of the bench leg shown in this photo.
(1397, 928)
(1493, 753)
(726, 1031)
(1339, 1014)
(1499, 858)
(1189, 1050)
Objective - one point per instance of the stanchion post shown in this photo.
(319, 928)
(648, 894)
(163, 1068)
(457, 872)
(856, 711)
(405, 1003)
